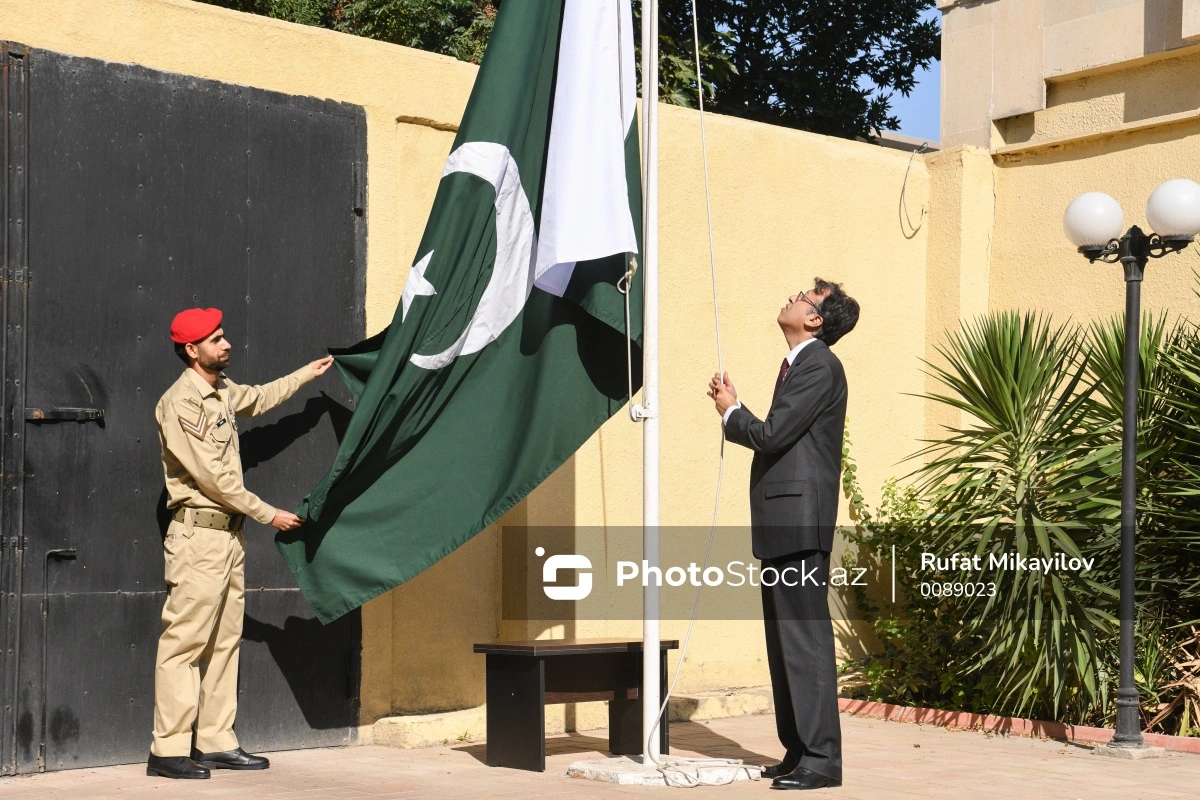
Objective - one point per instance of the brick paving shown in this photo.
(883, 759)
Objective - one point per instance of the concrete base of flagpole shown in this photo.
(630, 771)
(1129, 753)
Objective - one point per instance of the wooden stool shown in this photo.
(524, 677)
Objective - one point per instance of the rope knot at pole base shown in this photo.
(691, 772)
(668, 771)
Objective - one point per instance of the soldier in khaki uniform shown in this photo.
(195, 679)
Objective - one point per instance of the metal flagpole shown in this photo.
(655, 769)
(651, 696)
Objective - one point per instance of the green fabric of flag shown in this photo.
(506, 351)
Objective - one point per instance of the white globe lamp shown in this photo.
(1092, 220)
(1173, 210)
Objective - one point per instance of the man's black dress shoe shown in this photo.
(174, 767)
(230, 759)
(801, 778)
(782, 768)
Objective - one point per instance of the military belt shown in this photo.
(206, 518)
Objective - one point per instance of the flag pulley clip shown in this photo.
(638, 413)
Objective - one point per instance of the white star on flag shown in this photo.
(416, 284)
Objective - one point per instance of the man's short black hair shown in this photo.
(839, 312)
(181, 351)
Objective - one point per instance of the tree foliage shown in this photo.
(458, 28)
(825, 67)
(821, 66)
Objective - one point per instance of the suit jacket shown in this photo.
(795, 476)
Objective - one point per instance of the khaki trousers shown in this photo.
(195, 679)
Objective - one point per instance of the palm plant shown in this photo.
(1013, 478)
(1105, 342)
(1034, 467)
(1168, 471)
(1175, 542)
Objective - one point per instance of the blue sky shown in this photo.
(919, 113)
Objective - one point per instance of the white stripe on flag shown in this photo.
(585, 200)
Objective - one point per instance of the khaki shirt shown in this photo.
(197, 428)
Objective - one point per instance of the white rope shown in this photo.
(677, 770)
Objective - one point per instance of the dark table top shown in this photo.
(562, 647)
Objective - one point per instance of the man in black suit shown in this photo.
(794, 485)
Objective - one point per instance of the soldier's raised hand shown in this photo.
(320, 365)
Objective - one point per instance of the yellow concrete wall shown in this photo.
(997, 56)
(1033, 264)
(1123, 131)
(1130, 96)
(788, 206)
(962, 200)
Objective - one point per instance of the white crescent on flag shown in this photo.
(585, 199)
(516, 242)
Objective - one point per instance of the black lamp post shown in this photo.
(1093, 222)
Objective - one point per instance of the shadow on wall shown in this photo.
(438, 617)
(1081, 151)
(1162, 25)
(1146, 91)
(265, 442)
(312, 659)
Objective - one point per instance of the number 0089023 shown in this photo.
(958, 590)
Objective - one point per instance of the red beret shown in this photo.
(195, 324)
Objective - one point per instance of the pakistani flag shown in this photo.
(507, 349)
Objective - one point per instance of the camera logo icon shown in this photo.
(581, 564)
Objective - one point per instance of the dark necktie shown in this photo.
(783, 368)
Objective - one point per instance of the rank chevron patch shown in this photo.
(197, 428)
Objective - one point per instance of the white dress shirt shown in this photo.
(791, 359)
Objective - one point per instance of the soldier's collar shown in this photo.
(201, 385)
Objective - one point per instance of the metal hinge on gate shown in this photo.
(64, 414)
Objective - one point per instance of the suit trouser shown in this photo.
(800, 655)
(195, 679)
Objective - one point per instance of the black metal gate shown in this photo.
(130, 194)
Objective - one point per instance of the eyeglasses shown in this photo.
(804, 296)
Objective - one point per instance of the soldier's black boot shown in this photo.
(175, 767)
(230, 759)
